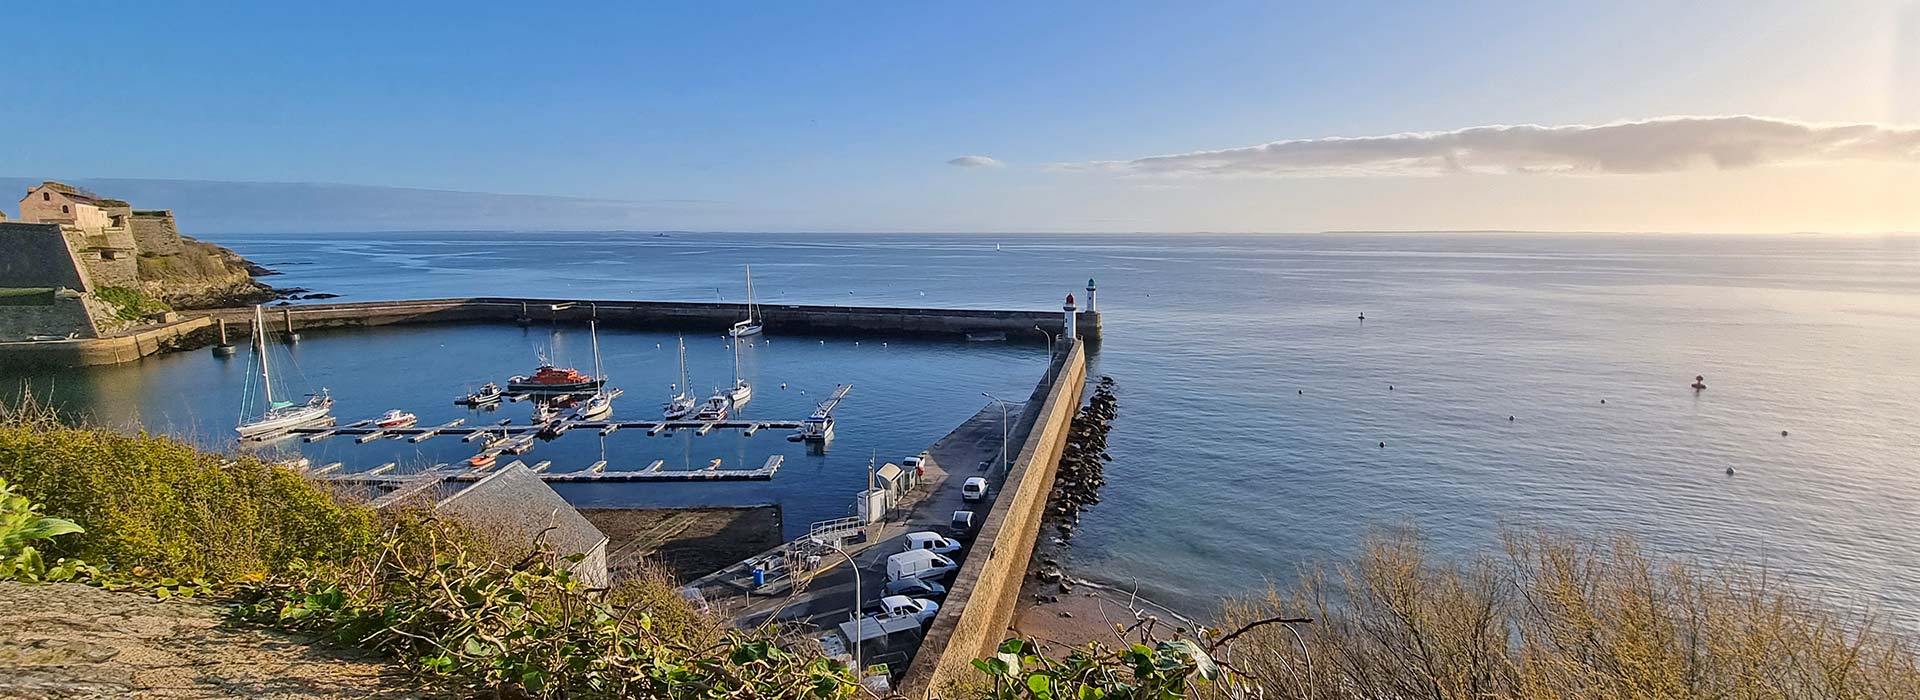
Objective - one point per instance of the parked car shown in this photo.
(930, 541)
(920, 564)
(915, 587)
(974, 489)
(962, 523)
(898, 606)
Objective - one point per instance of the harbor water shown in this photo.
(1497, 380)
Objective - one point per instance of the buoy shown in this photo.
(1729, 471)
(1389, 387)
(1603, 401)
(1383, 445)
(1302, 392)
(1783, 433)
(783, 385)
(1509, 419)
(1699, 382)
(1363, 317)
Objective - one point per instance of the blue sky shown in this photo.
(843, 116)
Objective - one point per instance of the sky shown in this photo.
(1751, 116)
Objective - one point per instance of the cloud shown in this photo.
(1665, 144)
(975, 162)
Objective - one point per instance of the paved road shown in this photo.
(827, 599)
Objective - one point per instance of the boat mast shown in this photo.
(593, 329)
(752, 315)
(684, 390)
(260, 341)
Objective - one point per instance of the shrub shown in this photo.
(1557, 617)
(130, 304)
(21, 528)
(527, 628)
(160, 504)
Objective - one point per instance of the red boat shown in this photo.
(549, 379)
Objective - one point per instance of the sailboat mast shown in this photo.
(683, 364)
(753, 314)
(593, 329)
(260, 341)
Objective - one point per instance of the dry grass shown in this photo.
(1560, 618)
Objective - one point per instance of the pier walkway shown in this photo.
(603, 473)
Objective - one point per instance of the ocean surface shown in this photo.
(1253, 400)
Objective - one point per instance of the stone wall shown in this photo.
(980, 603)
(87, 352)
(36, 255)
(155, 233)
(58, 313)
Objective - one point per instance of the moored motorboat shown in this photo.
(395, 418)
(490, 393)
(716, 408)
(484, 459)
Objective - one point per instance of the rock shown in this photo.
(1064, 613)
(1065, 586)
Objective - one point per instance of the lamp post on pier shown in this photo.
(1005, 468)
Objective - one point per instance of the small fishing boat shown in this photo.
(716, 408)
(751, 326)
(279, 416)
(545, 412)
(484, 459)
(489, 393)
(816, 428)
(395, 418)
(682, 402)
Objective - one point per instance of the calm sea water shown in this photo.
(1253, 401)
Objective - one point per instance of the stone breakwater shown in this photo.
(1081, 474)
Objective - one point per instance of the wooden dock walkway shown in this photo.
(652, 472)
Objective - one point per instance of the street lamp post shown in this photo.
(1049, 336)
(1005, 468)
(858, 619)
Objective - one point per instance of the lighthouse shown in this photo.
(1073, 317)
(1093, 305)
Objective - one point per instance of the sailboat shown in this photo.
(280, 415)
(742, 391)
(682, 403)
(751, 326)
(600, 404)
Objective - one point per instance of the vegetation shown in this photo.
(21, 528)
(130, 304)
(175, 511)
(1555, 617)
(1549, 617)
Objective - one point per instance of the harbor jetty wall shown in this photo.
(980, 602)
(714, 316)
(127, 347)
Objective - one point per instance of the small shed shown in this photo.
(894, 479)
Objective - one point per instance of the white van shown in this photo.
(930, 541)
(920, 564)
(974, 489)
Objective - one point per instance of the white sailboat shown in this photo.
(682, 402)
(742, 391)
(280, 415)
(600, 404)
(751, 326)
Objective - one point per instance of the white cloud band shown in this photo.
(975, 162)
(1665, 144)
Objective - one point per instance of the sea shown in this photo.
(1497, 380)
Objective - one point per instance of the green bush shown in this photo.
(525, 629)
(130, 304)
(160, 504)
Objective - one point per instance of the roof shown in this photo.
(112, 203)
(914, 555)
(70, 191)
(513, 504)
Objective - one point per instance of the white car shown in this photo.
(898, 606)
(974, 489)
(930, 541)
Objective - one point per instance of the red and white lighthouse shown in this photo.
(1073, 319)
